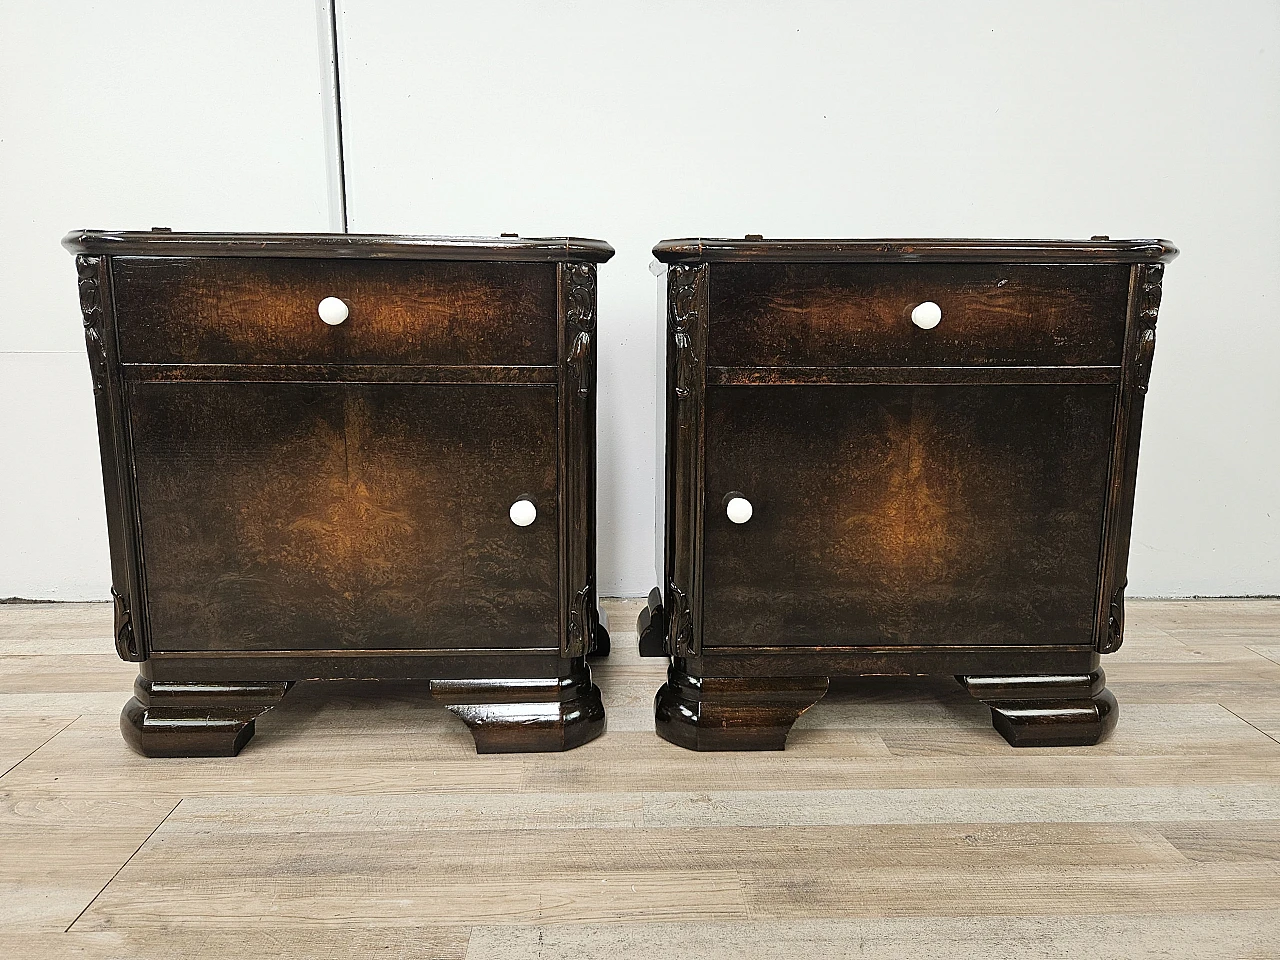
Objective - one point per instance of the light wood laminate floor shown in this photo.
(360, 821)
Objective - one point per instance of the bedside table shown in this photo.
(898, 457)
(340, 456)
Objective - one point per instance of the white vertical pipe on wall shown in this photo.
(329, 37)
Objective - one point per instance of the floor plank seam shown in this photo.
(1264, 656)
(122, 866)
(1255, 726)
(15, 766)
(897, 819)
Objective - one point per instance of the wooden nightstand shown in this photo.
(898, 457)
(340, 456)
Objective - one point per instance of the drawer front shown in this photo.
(904, 515)
(301, 516)
(241, 310)
(841, 314)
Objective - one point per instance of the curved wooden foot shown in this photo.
(1068, 711)
(732, 713)
(600, 645)
(195, 719)
(651, 626)
(526, 716)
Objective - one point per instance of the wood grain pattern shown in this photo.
(686, 362)
(238, 310)
(309, 516)
(359, 820)
(78, 847)
(1140, 343)
(976, 376)
(178, 942)
(937, 516)
(756, 249)
(290, 499)
(815, 315)
(164, 242)
(22, 737)
(333, 373)
(948, 500)
(119, 493)
(1242, 935)
(576, 434)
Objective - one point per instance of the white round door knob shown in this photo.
(927, 315)
(738, 509)
(332, 311)
(523, 513)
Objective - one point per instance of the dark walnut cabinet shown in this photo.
(898, 457)
(339, 456)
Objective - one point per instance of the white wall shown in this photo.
(125, 114)
(638, 121)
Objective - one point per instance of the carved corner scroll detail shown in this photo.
(1149, 311)
(126, 640)
(686, 303)
(580, 620)
(577, 411)
(580, 314)
(684, 290)
(1110, 629)
(1115, 623)
(680, 628)
(91, 312)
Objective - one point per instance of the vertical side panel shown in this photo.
(576, 320)
(687, 307)
(1140, 345)
(94, 278)
(660, 434)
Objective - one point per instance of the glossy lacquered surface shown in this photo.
(348, 457)
(905, 515)
(938, 440)
(353, 516)
(164, 242)
(841, 314)
(229, 310)
(890, 250)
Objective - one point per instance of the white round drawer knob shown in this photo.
(927, 316)
(523, 513)
(738, 509)
(332, 311)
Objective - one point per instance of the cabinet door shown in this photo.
(294, 516)
(905, 514)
